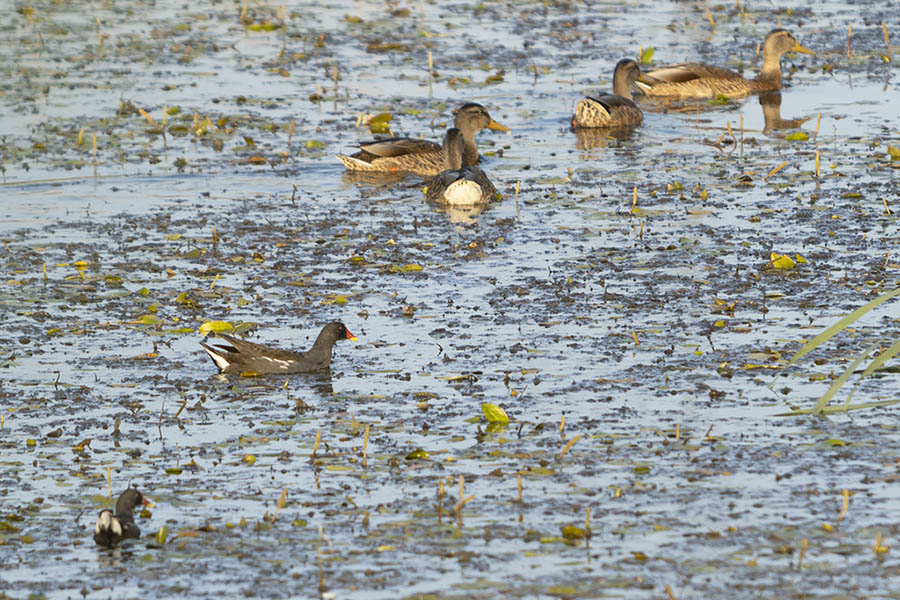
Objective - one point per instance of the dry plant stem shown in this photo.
(180, 408)
(818, 124)
(159, 423)
(316, 445)
(519, 481)
(569, 445)
(742, 136)
(887, 41)
(817, 164)
(518, 183)
(845, 507)
(712, 22)
(462, 502)
(109, 482)
(365, 446)
(775, 170)
(562, 423)
(280, 504)
(440, 509)
(669, 593)
(849, 36)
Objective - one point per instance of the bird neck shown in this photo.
(771, 67)
(621, 85)
(323, 344)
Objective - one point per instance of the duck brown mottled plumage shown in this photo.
(241, 356)
(422, 156)
(459, 185)
(697, 80)
(616, 109)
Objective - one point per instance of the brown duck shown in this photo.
(697, 80)
(616, 109)
(422, 156)
(459, 185)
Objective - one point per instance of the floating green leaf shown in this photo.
(417, 454)
(797, 136)
(494, 413)
(215, 327)
(647, 55)
(381, 123)
(408, 268)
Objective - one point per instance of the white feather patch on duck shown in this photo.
(463, 192)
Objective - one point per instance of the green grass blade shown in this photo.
(838, 409)
(881, 359)
(846, 321)
(840, 381)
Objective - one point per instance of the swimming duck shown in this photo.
(111, 528)
(616, 109)
(422, 156)
(242, 356)
(697, 80)
(458, 185)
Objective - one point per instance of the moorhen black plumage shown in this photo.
(242, 356)
(111, 528)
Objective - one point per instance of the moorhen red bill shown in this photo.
(111, 528)
(242, 356)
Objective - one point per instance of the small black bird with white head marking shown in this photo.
(111, 528)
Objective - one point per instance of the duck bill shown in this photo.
(801, 49)
(498, 126)
(147, 502)
(351, 337)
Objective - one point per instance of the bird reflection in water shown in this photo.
(771, 105)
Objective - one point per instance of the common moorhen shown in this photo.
(113, 528)
(242, 356)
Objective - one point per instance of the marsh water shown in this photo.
(619, 303)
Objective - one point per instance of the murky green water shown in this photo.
(558, 301)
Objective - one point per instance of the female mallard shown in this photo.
(422, 156)
(616, 109)
(696, 80)
(459, 185)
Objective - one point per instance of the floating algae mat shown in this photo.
(569, 393)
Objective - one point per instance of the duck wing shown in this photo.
(683, 72)
(399, 146)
